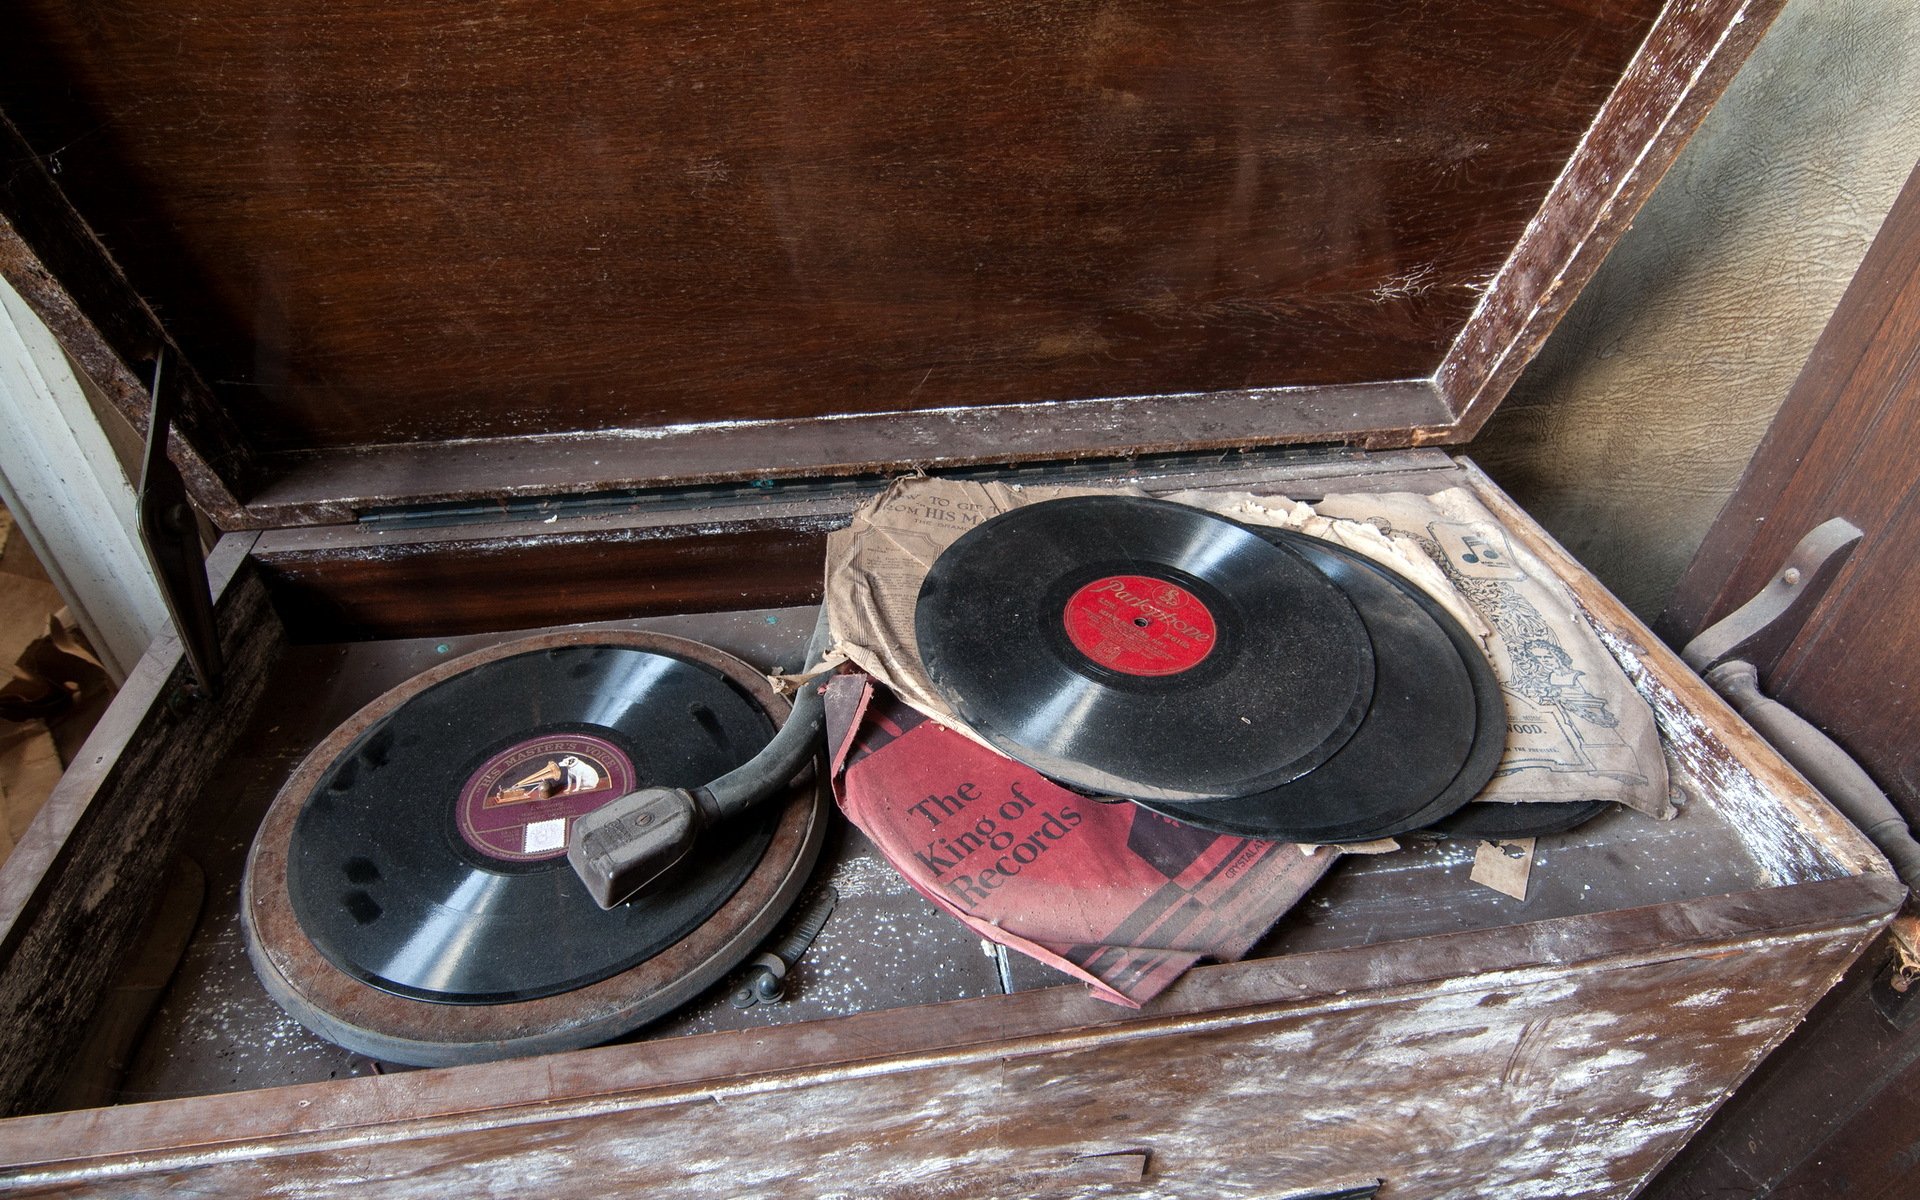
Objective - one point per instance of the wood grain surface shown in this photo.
(57, 264)
(1828, 1116)
(1834, 1117)
(868, 238)
(1690, 55)
(1579, 1075)
(1584, 1036)
(504, 566)
(372, 223)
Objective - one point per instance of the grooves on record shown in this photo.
(1141, 648)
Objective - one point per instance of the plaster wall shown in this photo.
(1628, 432)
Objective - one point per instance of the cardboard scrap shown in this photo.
(1576, 728)
(1105, 891)
(1397, 552)
(1504, 866)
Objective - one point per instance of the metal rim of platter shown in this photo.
(344, 1006)
(1114, 643)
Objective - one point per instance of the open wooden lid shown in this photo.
(416, 253)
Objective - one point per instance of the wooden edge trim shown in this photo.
(739, 508)
(1686, 61)
(314, 544)
(331, 487)
(61, 269)
(1784, 820)
(344, 1114)
(734, 547)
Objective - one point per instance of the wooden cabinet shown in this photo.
(1404, 1025)
(646, 298)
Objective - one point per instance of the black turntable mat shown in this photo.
(431, 860)
(1429, 743)
(1142, 648)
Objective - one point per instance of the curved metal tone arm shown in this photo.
(783, 757)
(632, 840)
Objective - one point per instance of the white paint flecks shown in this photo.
(1772, 826)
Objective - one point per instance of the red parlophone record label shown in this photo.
(1139, 625)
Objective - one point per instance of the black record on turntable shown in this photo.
(409, 895)
(1143, 648)
(1429, 743)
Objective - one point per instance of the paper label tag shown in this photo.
(544, 836)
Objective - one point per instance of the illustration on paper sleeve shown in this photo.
(1555, 722)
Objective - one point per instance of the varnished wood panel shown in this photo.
(1594, 1038)
(1690, 55)
(320, 488)
(885, 946)
(1834, 1117)
(1861, 1161)
(372, 223)
(488, 568)
(53, 260)
(440, 587)
(1829, 1116)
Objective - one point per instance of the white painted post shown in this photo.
(68, 495)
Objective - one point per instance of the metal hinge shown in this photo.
(706, 498)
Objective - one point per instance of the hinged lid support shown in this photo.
(172, 539)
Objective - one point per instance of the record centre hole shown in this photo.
(1142, 622)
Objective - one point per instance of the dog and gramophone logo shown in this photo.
(520, 804)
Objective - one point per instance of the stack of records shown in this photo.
(1250, 681)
